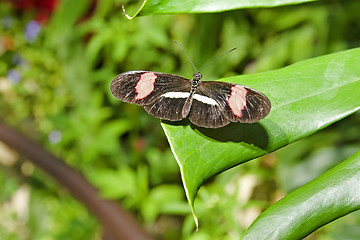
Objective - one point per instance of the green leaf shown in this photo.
(330, 196)
(306, 96)
(150, 7)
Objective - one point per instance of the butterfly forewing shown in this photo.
(162, 95)
(143, 88)
(236, 102)
(257, 106)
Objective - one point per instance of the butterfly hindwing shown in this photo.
(166, 108)
(207, 115)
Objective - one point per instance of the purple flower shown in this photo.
(55, 136)
(14, 76)
(32, 31)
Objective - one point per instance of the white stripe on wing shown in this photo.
(176, 95)
(198, 97)
(205, 99)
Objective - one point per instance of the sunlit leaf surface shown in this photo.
(194, 6)
(150, 7)
(305, 97)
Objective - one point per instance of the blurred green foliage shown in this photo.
(55, 89)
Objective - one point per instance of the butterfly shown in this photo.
(208, 104)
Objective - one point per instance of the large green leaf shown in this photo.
(150, 7)
(305, 97)
(330, 196)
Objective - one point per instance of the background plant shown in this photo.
(54, 87)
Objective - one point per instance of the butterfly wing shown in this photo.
(162, 95)
(216, 104)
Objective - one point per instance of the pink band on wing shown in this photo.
(237, 99)
(145, 85)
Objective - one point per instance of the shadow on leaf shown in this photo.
(250, 133)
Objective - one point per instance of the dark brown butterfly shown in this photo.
(207, 104)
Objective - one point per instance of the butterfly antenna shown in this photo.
(186, 55)
(217, 58)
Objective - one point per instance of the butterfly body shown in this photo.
(209, 104)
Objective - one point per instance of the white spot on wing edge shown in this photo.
(191, 202)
